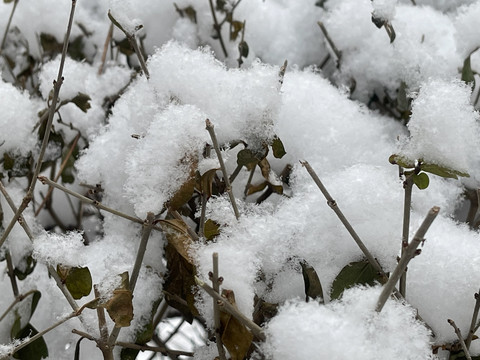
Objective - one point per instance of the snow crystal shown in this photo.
(161, 161)
(467, 32)
(444, 126)
(65, 249)
(346, 329)
(17, 121)
(384, 9)
(441, 285)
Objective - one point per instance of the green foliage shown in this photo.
(421, 180)
(355, 273)
(22, 273)
(36, 350)
(313, 287)
(78, 280)
(467, 72)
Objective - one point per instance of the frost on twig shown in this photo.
(460, 339)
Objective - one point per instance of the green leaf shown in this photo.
(7, 1)
(82, 101)
(50, 44)
(467, 73)
(243, 49)
(22, 274)
(36, 350)
(125, 47)
(128, 354)
(35, 299)
(355, 273)
(78, 280)
(16, 327)
(313, 287)
(421, 180)
(76, 48)
(246, 157)
(400, 160)
(277, 148)
(442, 171)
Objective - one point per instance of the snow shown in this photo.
(345, 329)
(443, 126)
(142, 139)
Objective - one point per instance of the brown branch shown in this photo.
(471, 331)
(105, 49)
(216, 309)
(62, 167)
(218, 28)
(408, 255)
(213, 136)
(56, 90)
(460, 338)
(225, 305)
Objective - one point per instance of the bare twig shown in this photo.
(281, 74)
(147, 229)
(471, 332)
(201, 228)
(62, 167)
(56, 90)
(102, 325)
(7, 28)
(225, 305)
(84, 199)
(216, 309)
(337, 52)
(11, 272)
(211, 131)
(51, 269)
(105, 49)
(153, 348)
(249, 181)
(133, 42)
(407, 185)
(408, 255)
(218, 28)
(333, 205)
(460, 338)
(17, 299)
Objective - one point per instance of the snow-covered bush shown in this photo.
(178, 163)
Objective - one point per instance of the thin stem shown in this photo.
(226, 306)
(216, 309)
(133, 42)
(18, 299)
(147, 229)
(62, 167)
(56, 90)
(40, 334)
(190, 231)
(201, 229)
(7, 28)
(471, 332)
(102, 325)
(408, 186)
(218, 28)
(337, 52)
(408, 255)
(281, 74)
(460, 338)
(11, 273)
(84, 199)
(333, 205)
(10, 202)
(105, 49)
(211, 131)
(154, 348)
(53, 273)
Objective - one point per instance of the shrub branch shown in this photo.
(408, 255)
(460, 339)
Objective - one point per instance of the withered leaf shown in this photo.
(235, 336)
(313, 287)
(185, 192)
(177, 236)
(206, 181)
(120, 307)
